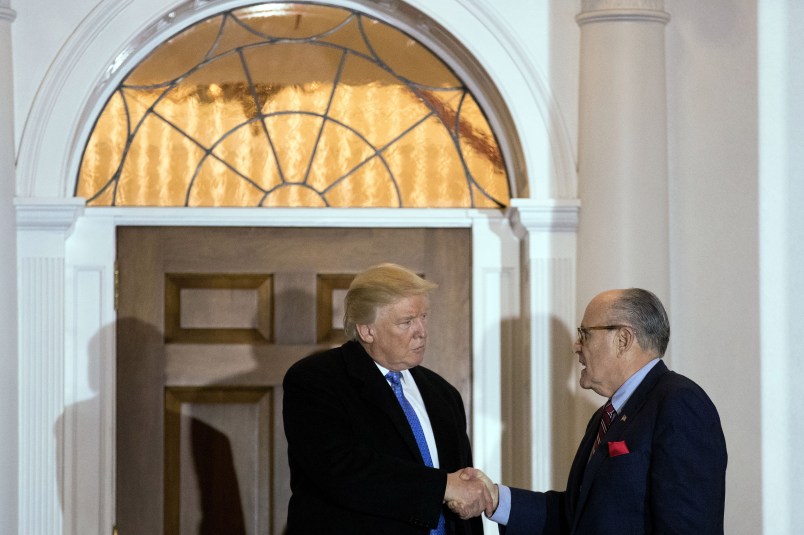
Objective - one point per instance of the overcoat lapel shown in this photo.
(375, 390)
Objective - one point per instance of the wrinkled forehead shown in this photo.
(412, 305)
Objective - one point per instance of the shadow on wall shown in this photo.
(226, 452)
(566, 427)
(568, 423)
(85, 418)
(220, 509)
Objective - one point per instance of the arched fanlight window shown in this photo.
(293, 104)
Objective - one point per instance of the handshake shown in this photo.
(471, 492)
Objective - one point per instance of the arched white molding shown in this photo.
(63, 85)
(561, 165)
(110, 40)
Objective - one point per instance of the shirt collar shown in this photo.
(620, 397)
(384, 371)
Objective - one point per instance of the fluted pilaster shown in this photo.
(548, 232)
(43, 229)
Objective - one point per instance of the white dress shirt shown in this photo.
(414, 397)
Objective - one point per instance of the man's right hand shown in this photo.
(470, 474)
(467, 496)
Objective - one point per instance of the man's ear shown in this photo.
(626, 338)
(366, 333)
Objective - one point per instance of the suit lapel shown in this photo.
(374, 389)
(580, 465)
(618, 427)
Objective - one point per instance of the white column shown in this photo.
(781, 225)
(8, 283)
(623, 238)
(548, 232)
(43, 227)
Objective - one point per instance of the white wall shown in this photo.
(713, 137)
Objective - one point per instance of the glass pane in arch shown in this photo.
(293, 105)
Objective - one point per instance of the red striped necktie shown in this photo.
(609, 414)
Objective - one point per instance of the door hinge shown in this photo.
(116, 304)
(114, 530)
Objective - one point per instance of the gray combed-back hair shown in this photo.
(643, 311)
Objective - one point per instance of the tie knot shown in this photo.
(609, 411)
(394, 378)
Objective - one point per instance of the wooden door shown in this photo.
(209, 320)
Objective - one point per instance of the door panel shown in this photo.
(209, 321)
(233, 426)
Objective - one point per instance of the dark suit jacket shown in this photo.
(354, 464)
(673, 480)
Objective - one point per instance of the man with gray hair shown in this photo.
(376, 442)
(653, 459)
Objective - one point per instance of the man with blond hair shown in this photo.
(376, 441)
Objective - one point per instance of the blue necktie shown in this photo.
(395, 379)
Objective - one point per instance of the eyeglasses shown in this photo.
(583, 332)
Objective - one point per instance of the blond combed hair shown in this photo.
(376, 287)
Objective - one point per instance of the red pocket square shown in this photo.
(617, 448)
